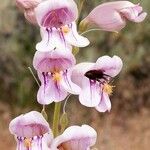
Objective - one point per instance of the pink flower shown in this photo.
(60, 38)
(112, 16)
(54, 70)
(31, 131)
(75, 138)
(58, 28)
(94, 79)
(27, 6)
(56, 13)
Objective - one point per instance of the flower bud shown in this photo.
(27, 4)
(113, 16)
(30, 16)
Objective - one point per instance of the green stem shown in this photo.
(56, 118)
(80, 5)
(87, 31)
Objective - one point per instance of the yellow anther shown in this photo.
(65, 29)
(108, 88)
(56, 76)
(27, 142)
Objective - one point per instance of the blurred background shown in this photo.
(127, 126)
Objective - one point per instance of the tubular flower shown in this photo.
(72, 139)
(117, 14)
(94, 79)
(54, 70)
(58, 28)
(27, 6)
(31, 131)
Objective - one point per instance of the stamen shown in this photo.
(108, 88)
(27, 142)
(56, 76)
(65, 29)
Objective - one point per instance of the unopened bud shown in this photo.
(30, 16)
(27, 4)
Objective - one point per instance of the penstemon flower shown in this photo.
(75, 138)
(112, 16)
(54, 70)
(58, 28)
(31, 131)
(94, 79)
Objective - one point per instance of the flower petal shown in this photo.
(35, 143)
(68, 85)
(29, 125)
(52, 39)
(134, 14)
(52, 61)
(53, 13)
(27, 4)
(110, 66)
(51, 92)
(30, 16)
(74, 38)
(105, 104)
(78, 72)
(72, 139)
(90, 93)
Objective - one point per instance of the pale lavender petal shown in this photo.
(53, 13)
(105, 104)
(53, 61)
(141, 17)
(29, 125)
(52, 39)
(72, 139)
(90, 90)
(134, 14)
(74, 38)
(30, 16)
(68, 85)
(53, 91)
(37, 143)
(27, 4)
(20, 143)
(78, 72)
(109, 65)
(90, 93)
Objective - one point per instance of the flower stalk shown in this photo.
(56, 118)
